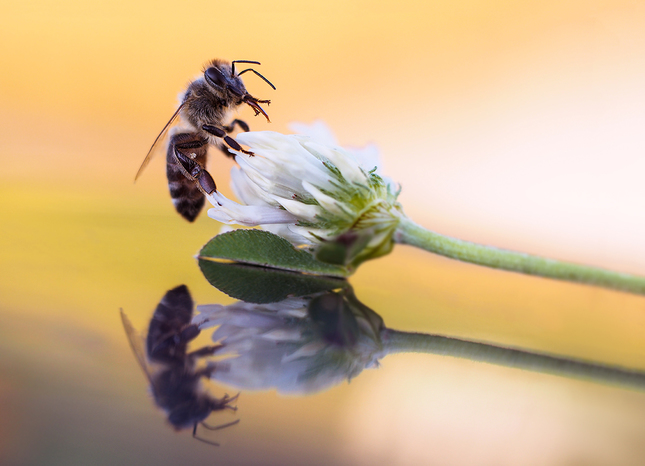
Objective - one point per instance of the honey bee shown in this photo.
(175, 382)
(205, 105)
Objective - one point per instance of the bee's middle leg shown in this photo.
(205, 351)
(221, 133)
(229, 129)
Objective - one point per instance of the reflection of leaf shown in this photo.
(264, 285)
(256, 247)
(334, 320)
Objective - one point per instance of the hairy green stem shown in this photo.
(410, 233)
(395, 341)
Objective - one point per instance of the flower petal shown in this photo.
(227, 211)
(326, 202)
(317, 131)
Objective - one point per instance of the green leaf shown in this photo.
(264, 285)
(261, 248)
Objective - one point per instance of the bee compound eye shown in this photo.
(235, 89)
(215, 76)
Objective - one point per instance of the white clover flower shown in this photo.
(332, 201)
(313, 193)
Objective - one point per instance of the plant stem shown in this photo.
(395, 341)
(410, 233)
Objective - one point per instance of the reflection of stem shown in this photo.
(409, 232)
(405, 342)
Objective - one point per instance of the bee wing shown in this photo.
(161, 136)
(136, 343)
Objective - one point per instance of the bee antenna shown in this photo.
(265, 79)
(242, 61)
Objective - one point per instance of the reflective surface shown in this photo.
(517, 124)
(73, 392)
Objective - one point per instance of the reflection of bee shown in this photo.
(204, 107)
(174, 380)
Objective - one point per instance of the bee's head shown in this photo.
(228, 86)
(221, 77)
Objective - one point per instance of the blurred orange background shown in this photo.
(517, 124)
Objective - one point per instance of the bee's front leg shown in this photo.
(243, 126)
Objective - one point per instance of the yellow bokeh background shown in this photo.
(518, 124)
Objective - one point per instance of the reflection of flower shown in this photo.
(299, 345)
(314, 194)
(304, 345)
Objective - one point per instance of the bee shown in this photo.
(205, 105)
(175, 382)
